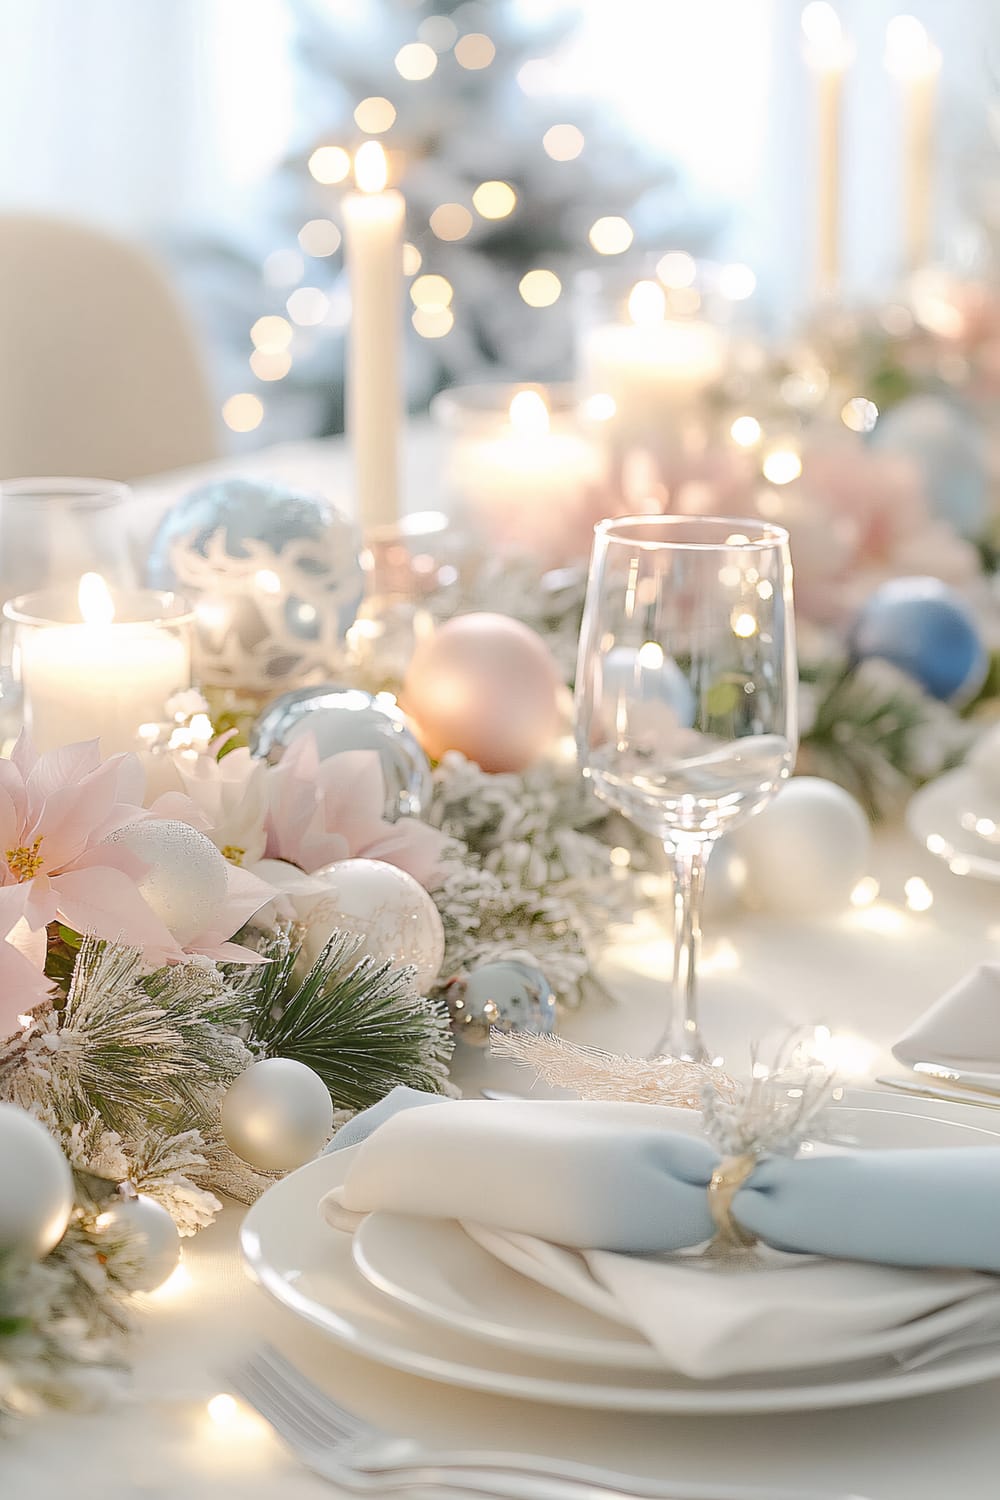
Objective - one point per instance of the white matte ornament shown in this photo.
(277, 1114)
(384, 906)
(36, 1186)
(161, 1244)
(806, 851)
(187, 880)
(485, 685)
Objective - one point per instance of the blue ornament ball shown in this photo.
(274, 574)
(509, 994)
(648, 675)
(949, 448)
(344, 718)
(926, 629)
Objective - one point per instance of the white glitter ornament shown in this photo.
(187, 880)
(806, 851)
(36, 1186)
(161, 1244)
(277, 1114)
(389, 910)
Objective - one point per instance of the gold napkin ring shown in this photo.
(727, 1179)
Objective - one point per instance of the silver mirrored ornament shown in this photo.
(350, 719)
(274, 574)
(509, 994)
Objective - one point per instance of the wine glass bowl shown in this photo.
(686, 694)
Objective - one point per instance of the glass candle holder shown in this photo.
(94, 664)
(653, 339)
(524, 467)
(54, 530)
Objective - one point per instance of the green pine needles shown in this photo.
(360, 1024)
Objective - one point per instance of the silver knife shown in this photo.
(955, 1094)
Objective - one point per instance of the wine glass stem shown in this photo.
(682, 1037)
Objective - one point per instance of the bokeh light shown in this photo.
(859, 414)
(474, 51)
(434, 293)
(540, 288)
(329, 164)
(451, 221)
(611, 235)
(412, 259)
(781, 466)
(375, 115)
(494, 200)
(320, 237)
(243, 412)
(676, 269)
(737, 282)
(563, 142)
(416, 61)
(745, 432)
(271, 334)
(270, 366)
(433, 323)
(307, 306)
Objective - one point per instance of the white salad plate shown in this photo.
(950, 818)
(309, 1266)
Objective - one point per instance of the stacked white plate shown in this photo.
(425, 1297)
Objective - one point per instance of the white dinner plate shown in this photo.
(495, 1286)
(944, 816)
(308, 1266)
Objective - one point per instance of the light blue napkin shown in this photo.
(612, 1177)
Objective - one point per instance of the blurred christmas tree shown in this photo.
(505, 179)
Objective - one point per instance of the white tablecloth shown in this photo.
(864, 974)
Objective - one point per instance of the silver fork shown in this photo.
(342, 1447)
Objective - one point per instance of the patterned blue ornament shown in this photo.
(274, 574)
(948, 446)
(349, 719)
(508, 994)
(925, 628)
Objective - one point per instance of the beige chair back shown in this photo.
(100, 374)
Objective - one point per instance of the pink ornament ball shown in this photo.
(485, 685)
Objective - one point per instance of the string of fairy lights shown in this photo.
(273, 335)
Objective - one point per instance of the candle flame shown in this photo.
(647, 303)
(909, 51)
(96, 604)
(821, 25)
(529, 414)
(371, 170)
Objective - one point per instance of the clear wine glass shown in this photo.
(686, 698)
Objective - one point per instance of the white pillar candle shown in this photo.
(101, 678)
(912, 58)
(528, 477)
(827, 54)
(373, 228)
(651, 364)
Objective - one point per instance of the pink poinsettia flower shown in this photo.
(57, 812)
(306, 812)
(323, 810)
(22, 983)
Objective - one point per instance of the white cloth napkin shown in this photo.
(763, 1311)
(962, 1029)
(546, 1175)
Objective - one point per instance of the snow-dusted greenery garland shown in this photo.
(126, 1068)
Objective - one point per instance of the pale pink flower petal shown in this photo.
(106, 902)
(410, 845)
(58, 768)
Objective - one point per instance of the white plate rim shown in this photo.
(969, 866)
(968, 1368)
(626, 1354)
